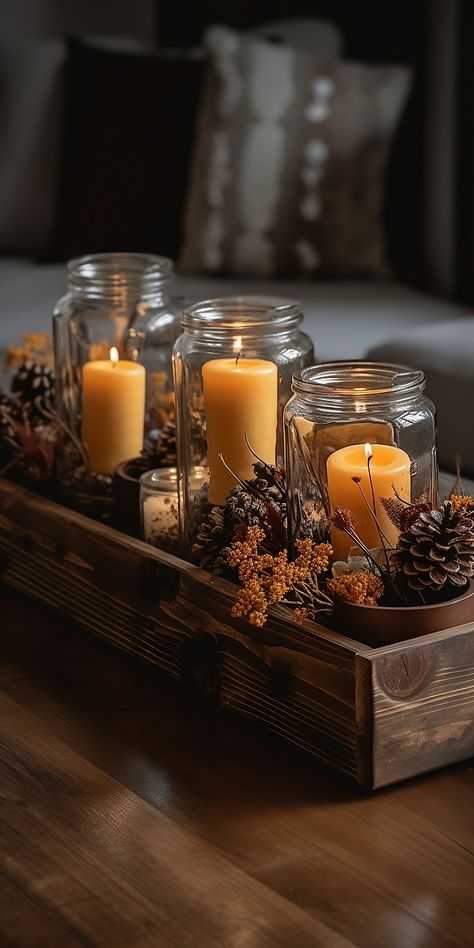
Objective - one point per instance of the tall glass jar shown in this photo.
(118, 300)
(342, 404)
(249, 348)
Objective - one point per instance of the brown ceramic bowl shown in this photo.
(384, 625)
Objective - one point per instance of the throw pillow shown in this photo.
(288, 169)
(129, 127)
(31, 72)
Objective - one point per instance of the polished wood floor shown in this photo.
(131, 816)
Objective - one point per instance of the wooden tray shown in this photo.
(380, 715)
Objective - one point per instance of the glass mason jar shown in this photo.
(232, 366)
(338, 405)
(159, 508)
(116, 300)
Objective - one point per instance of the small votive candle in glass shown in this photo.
(159, 508)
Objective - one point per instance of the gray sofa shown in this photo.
(384, 321)
(346, 320)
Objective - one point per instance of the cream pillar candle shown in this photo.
(241, 398)
(113, 411)
(389, 468)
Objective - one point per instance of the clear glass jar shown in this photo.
(254, 345)
(340, 404)
(116, 300)
(159, 508)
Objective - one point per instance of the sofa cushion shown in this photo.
(445, 353)
(30, 125)
(289, 162)
(345, 321)
(129, 126)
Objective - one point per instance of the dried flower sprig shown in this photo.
(363, 589)
(461, 502)
(401, 513)
(37, 347)
(268, 578)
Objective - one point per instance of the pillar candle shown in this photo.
(113, 411)
(241, 398)
(389, 468)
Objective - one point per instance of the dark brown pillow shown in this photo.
(129, 128)
(289, 164)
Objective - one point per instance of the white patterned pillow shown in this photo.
(289, 163)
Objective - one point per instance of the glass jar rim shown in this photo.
(339, 381)
(244, 313)
(166, 479)
(113, 274)
(161, 480)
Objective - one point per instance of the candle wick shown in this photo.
(237, 357)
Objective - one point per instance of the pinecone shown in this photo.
(211, 537)
(437, 551)
(244, 508)
(166, 449)
(34, 384)
(10, 414)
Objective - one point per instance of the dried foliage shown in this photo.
(37, 348)
(268, 578)
(363, 589)
(401, 513)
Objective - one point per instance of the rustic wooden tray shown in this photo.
(380, 715)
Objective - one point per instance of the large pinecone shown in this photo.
(34, 384)
(438, 550)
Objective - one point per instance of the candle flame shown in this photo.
(113, 355)
(368, 451)
(237, 344)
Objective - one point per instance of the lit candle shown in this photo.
(113, 411)
(241, 399)
(389, 468)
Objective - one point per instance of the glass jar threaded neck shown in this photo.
(340, 385)
(242, 316)
(118, 277)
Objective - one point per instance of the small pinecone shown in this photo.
(210, 539)
(166, 449)
(268, 479)
(34, 384)
(215, 534)
(6, 415)
(438, 550)
(9, 414)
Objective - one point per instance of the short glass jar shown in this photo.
(159, 508)
(115, 300)
(240, 339)
(340, 404)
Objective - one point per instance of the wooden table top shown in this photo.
(131, 816)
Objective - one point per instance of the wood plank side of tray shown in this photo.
(296, 681)
(416, 705)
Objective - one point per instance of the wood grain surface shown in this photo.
(321, 691)
(130, 815)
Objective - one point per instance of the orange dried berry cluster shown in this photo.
(461, 502)
(363, 589)
(267, 578)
